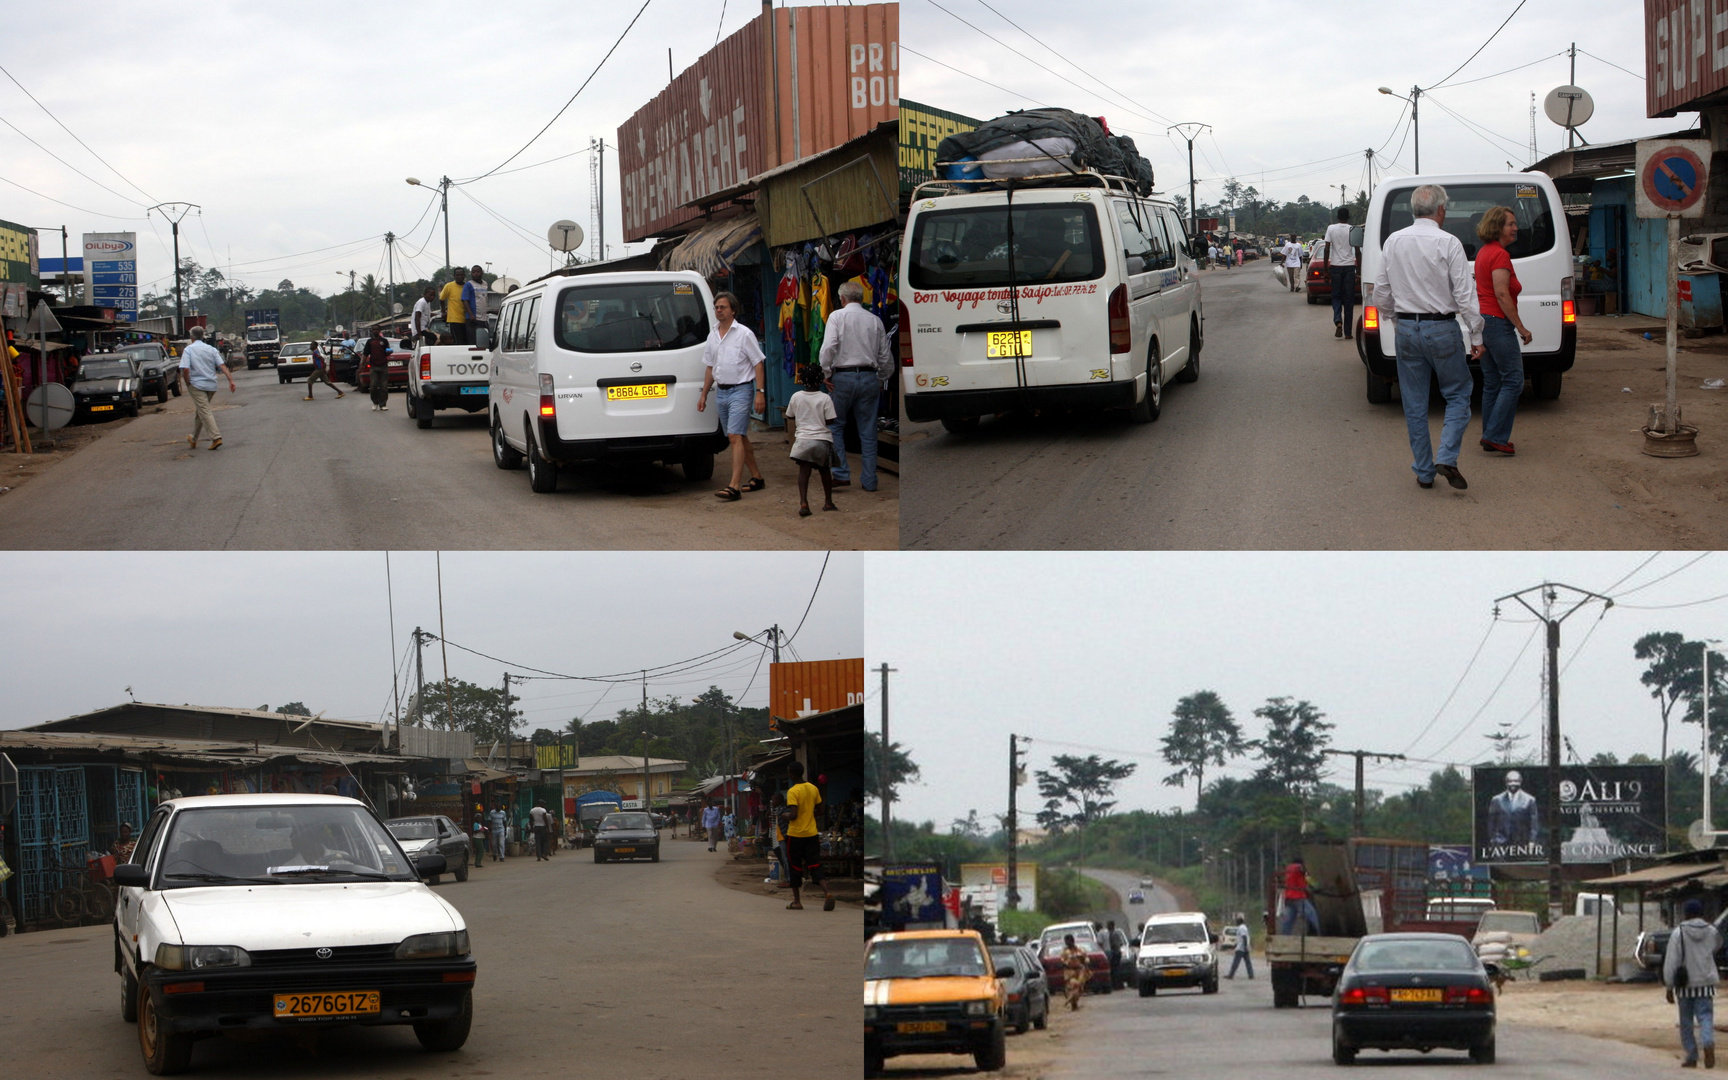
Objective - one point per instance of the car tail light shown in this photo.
(1468, 995)
(905, 337)
(425, 366)
(1370, 318)
(1568, 312)
(1363, 995)
(547, 398)
(1121, 332)
(1566, 288)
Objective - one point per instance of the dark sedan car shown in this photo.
(627, 835)
(1027, 988)
(1413, 992)
(107, 386)
(434, 832)
(397, 371)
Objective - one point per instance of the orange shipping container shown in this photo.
(814, 686)
(839, 75)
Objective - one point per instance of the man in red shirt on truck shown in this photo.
(1297, 905)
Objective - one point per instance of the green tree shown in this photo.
(1078, 791)
(1202, 732)
(294, 708)
(481, 710)
(1675, 674)
(901, 768)
(1293, 749)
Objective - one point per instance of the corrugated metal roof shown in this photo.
(1658, 875)
(215, 752)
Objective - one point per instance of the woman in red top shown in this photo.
(1497, 292)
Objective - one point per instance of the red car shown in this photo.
(1050, 953)
(398, 370)
(1319, 278)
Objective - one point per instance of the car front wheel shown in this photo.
(462, 871)
(992, 1054)
(165, 1052)
(442, 1036)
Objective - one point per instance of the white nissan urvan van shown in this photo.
(1065, 293)
(603, 367)
(1541, 257)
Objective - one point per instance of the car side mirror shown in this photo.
(483, 338)
(131, 874)
(1357, 233)
(429, 864)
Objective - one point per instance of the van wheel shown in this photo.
(1379, 390)
(1148, 407)
(959, 425)
(504, 455)
(1546, 385)
(1191, 370)
(698, 467)
(542, 474)
(443, 1036)
(165, 1052)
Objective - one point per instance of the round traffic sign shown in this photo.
(1673, 179)
(50, 406)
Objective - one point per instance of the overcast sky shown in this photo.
(250, 628)
(1287, 84)
(1095, 648)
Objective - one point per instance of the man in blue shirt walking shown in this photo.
(199, 365)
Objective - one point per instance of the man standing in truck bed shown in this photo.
(474, 302)
(455, 310)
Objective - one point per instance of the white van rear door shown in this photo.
(627, 356)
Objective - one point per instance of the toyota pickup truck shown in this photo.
(448, 377)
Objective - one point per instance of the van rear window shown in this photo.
(968, 248)
(644, 316)
(1465, 205)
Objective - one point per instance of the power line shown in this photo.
(1510, 668)
(813, 592)
(1479, 48)
(1665, 577)
(84, 144)
(1077, 67)
(1476, 129)
(66, 163)
(1612, 64)
(1653, 557)
(1468, 666)
(1670, 607)
(567, 104)
(722, 24)
(62, 202)
(1510, 70)
(995, 86)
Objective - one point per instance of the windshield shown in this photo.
(1053, 943)
(1465, 205)
(1053, 242)
(412, 830)
(105, 369)
(144, 352)
(251, 844)
(1516, 922)
(1414, 956)
(297, 348)
(627, 821)
(643, 316)
(926, 958)
(1176, 933)
(262, 335)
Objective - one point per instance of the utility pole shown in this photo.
(390, 251)
(175, 212)
(444, 208)
(1572, 80)
(886, 777)
(1548, 594)
(1415, 126)
(509, 728)
(1368, 158)
(1193, 210)
(646, 808)
(1356, 826)
(1342, 197)
(601, 151)
(1013, 825)
(419, 672)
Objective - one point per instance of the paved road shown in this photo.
(293, 474)
(1237, 1033)
(1275, 447)
(640, 970)
(1128, 916)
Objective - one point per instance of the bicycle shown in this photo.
(87, 897)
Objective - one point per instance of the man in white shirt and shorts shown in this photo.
(733, 362)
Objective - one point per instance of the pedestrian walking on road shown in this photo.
(732, 364)
(1689, 973)
(1075, 970)
(1292, 253)
(378, 370)
(812, 413)
(455, 309)
(420, 323)
(479, 843)
(1497, 292)
(540, 822)
(200, 363)
(711, 824)
(1341, 263)
(1242, 944)
(320, 373)
(858, 363)
(803, 838)
(1212, 256)
(498, 824)
(1297, 905)
(1426, 284)
(1115, 949)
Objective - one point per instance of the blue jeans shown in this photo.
(1435, 348)
(855, 395)
(1298, 909)
(734, 405)
(1702, 1010)
(1502, 378)
(1344, 297)
(1241, 958)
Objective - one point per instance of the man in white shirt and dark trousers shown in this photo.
(857, 364)
(1292, 252)
(1426, 283)
(1341, 261)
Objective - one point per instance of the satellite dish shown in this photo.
(1568, 106)
(395, 309)
(505, 284)
(1698, 837)
(564, 235)
(50, 406)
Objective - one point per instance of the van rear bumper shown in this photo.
(1386, 366)
(958, 404)
(636, 448)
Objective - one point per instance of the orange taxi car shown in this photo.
(932, 992)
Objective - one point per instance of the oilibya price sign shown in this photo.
(1671, 178)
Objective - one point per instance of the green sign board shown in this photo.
(922, 129)
(18, 265)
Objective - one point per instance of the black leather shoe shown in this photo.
(1424, 483)
(1452, 475)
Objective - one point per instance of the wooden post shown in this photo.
(15, 408)
(1669, 424)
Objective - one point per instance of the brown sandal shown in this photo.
(729, 493)
(756, 484)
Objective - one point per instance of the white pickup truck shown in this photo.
(448, 377)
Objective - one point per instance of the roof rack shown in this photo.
(1067, 177)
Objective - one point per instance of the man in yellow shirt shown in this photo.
(803, 845)
(455, 313)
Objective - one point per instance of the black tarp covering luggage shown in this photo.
(1114, 155)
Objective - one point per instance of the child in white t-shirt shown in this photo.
(812, 443)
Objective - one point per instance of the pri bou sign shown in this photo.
(1672, 175)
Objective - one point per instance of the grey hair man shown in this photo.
(199, 365)
(857, 364)
(1425, 283)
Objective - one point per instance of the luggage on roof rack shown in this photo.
(1070, 141)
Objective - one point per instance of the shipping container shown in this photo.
(814, 686)
(838, 75)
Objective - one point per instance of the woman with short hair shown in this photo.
(1497, 292)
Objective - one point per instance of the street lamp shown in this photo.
(1415, 96)
(443, 208)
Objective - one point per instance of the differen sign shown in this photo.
(111, 273)
(1606, 813)
(1672, 175)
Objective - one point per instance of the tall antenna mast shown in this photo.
(1533, 154)
(594, 252)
